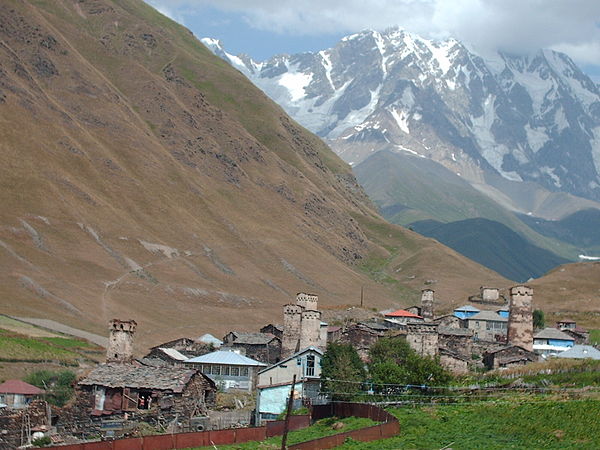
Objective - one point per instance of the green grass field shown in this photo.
(524, 423)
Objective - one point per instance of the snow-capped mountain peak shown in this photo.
(526, 117)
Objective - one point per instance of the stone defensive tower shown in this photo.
(307, 301)
(520, 319)
(423, 338)
(292, 318)
(427, 300)
(120, 340)
(310, 329)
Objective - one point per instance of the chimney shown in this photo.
(120, 341)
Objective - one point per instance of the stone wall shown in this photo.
(310, 329)
(11, 422)
(423, 338)
(120, 340)
(427, 301)
(292, 317)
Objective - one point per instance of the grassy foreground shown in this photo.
(524, 423)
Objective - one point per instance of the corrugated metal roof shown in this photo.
(467, 308)
(19, 387)
(553, 333)
(581, 352)
(139, 377)
(225, 357)
(488, 315)
(403, 313)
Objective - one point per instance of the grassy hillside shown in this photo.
(143, 177)
(408, 189)
(493, 245)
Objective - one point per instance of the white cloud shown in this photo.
(513, 25)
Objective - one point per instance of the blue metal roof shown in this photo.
(225, 357)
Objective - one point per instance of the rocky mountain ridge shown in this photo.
(529, 118)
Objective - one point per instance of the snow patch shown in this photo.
(412, 152)
(328, 66)
(536, 138)
(589, 258)
(295, 82)
(401, 119)
(550, 172)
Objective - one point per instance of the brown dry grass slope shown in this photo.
(140, 176)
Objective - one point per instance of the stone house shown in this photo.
(488, 325)
(450, 321)
(168, 392)
(228, 369)
(457, 340)
(18, 394)
(455, 363)
(263, 347)
(513, 355)
(274, 329)
(363, 335)
(423, 338)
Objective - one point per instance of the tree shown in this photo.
(57, 384)
(539, 321)
(393, 362)
(342, 371)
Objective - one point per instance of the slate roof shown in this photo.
(488, 315)
(253, 338)
(552, 333)
(580, 352)
(225, 357)
(19, 387)
(455, 331)
(173, 354)
(468, 308)
(403, 313)
(139, 377)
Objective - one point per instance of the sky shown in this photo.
(263, 28)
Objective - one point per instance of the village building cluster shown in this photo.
(175, 385)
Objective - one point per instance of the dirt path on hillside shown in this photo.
(65, 329)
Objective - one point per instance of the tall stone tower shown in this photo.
(520, 319)
(292, 318)
(427, 299)
(307, 301)
(310, 329)
(120, 340)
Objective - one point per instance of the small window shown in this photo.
(298, 361)
(235, 371)
(216, 370)
(244, 371)
(225, 370)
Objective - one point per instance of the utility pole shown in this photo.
(286, 424)
(361, 296)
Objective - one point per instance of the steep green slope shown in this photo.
(494, 245)
(407, 189)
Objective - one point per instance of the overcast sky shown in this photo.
(262, 28)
